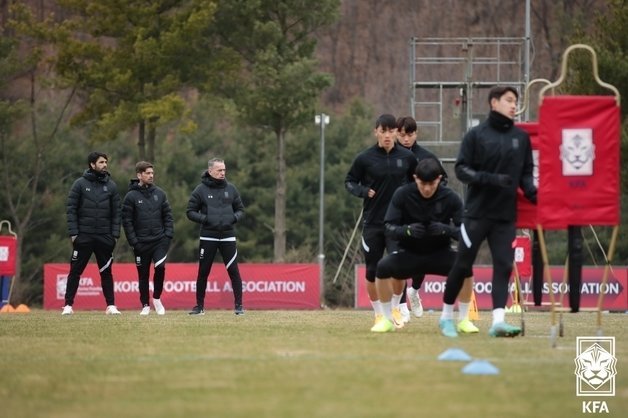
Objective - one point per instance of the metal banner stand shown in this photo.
(548, 278)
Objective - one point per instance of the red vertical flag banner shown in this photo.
(526, 211)
(578, 161)
(8, 248)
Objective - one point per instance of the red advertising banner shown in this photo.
(526, 211)
(615, 298)
(578, 161)
(8, 247)
(265, 286)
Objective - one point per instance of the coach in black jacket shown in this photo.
(216, 205)
(149, 228)
(93, 216)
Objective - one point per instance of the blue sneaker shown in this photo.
(448, 328)
(503, 329)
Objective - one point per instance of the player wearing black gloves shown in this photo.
(424, 217)
(495, 159)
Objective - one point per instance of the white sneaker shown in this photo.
(415, 301)
(405, 313)
(159, 307)
(67, 310)
(145, 310)
(112, 310)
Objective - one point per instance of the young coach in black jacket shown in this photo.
(149, 228)
(93, 216)
(216, 205)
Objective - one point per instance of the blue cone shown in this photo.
(480, 367)
(454, 354)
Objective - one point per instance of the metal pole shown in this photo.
(526, 60)
(321, 120)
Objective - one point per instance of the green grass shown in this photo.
(287, 364)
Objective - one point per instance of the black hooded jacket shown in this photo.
(93, 205)
(217, 206)
(146, 214)
(495, 159)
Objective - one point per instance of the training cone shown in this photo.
(7, 308)
(454, 354)
(480, 367)
(474, 315)
(514, 308)
(21, 308)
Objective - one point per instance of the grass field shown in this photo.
(287, 364)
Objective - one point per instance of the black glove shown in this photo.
(137, 248)
(437, 229)
(415, 230)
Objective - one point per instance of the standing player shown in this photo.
(424, 216)
(495, 158)
(374, 176)
(149, 228)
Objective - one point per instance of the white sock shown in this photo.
(386, 306)
(498, 315)
(463, 310)
(377, 307)
(448, 312)
(395, 300)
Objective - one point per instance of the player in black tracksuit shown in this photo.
(93, 217)
(149, 228)
(495, 158)
(423, 216)
(217, 206)
(374, 176)
(406, 135)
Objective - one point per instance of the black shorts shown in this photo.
(403, 264)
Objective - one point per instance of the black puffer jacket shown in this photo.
(494, 149)
(146, 214)
(217, 206)
(93, 205)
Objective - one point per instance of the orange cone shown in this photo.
(21, 308)
(474, 315)
(7, 308)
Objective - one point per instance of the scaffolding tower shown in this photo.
(449, 78)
